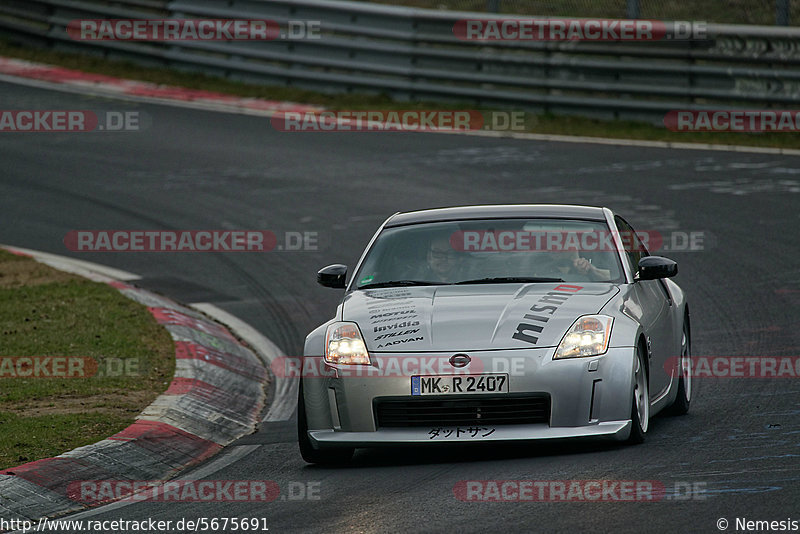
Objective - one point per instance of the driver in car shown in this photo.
(443, 260)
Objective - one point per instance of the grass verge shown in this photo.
(542, 124)
(45, 312)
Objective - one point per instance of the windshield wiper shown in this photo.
(402, 283)
(510, 280)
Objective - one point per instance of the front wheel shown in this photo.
(640, 409)
(307, 451)
(684, 396)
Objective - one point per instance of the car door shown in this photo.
(650, 304)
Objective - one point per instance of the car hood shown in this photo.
(471, 317)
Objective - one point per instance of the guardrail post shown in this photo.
(633, 9)
(782, 12)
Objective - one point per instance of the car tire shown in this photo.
(640, 409)
(684, 397)
(307, 450)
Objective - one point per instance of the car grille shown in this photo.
(466, 410)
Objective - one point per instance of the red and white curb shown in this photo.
(216, 397)
(75, 81)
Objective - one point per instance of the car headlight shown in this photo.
(588, 336)
(344, 344)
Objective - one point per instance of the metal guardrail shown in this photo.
(414, 54)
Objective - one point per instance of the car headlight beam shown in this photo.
(588, 336)
(344, 345)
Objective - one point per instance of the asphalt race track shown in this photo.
(194, 170)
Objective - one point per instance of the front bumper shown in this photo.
(589, 397)
(614, 430)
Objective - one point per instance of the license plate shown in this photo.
(459, 384)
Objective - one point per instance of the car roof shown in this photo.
(500, 211)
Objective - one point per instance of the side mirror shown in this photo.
(332, 276)
(655, 267)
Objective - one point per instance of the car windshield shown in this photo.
(491, 251)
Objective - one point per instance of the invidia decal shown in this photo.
(404, 324)
(546, 305)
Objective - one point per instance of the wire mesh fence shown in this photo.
(761, 12)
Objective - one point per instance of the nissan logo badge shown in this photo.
(459, 360)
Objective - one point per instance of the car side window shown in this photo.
(634, 249)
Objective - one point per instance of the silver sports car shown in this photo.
(495, 323)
